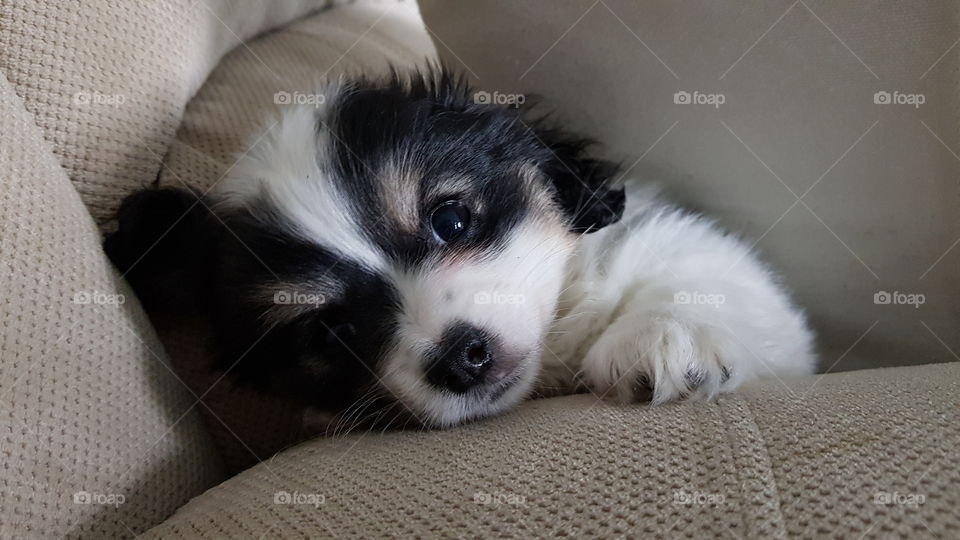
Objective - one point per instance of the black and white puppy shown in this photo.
(448, 259)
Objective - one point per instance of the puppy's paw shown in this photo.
(657, 359)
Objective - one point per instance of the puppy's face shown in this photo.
(401, 246)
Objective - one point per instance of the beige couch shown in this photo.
(112, 426)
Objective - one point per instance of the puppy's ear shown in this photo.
(584, 185)
(164, 247)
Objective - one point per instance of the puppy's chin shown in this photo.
(433, 407)
(448, 409)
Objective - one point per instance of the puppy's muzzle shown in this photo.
(467, 357)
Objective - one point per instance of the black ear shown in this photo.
(584, 185)
(164, 247)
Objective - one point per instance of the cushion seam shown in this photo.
(761, 508)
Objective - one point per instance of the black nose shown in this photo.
(461, 360)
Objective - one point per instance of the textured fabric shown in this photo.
(98, 438)
(107, 81)
(869, 454)
(798, 120)
(236, 103)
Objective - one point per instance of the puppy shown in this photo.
(408, 249)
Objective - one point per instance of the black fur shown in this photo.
(325, 355)
(162, 247)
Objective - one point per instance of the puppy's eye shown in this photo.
(449, 220)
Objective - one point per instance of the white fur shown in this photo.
(622, 314)
(283, 166)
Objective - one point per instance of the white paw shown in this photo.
(658, 359)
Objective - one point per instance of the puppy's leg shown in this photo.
(671, 308)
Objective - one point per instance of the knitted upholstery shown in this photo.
(809, 459)
(88, 401)
(107, 81)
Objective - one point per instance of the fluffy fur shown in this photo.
(664, 306)
(320, 266)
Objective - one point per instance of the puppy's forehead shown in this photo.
(399, 192)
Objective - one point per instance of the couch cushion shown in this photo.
(98, 438)
(866, 454)
(878, 181)
(226, 117)
(107, 81)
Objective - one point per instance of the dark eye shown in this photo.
(449, 220)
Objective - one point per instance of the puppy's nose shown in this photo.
(462, 360)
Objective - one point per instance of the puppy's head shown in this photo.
(400, 244)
